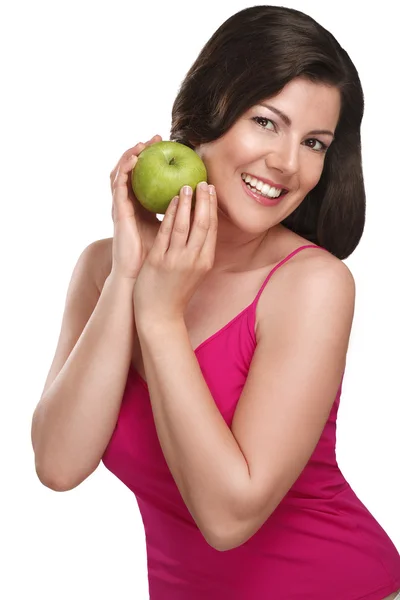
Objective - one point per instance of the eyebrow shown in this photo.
(288, 122)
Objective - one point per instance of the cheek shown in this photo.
(248, 150)
(217, 166)
(312, 174)
(211, 159)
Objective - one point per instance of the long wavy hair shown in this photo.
(251, 57)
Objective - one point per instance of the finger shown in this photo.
(201, 221)
(121, 174)
(122, 181)
(122, 205)
(123, 170)
(156, 138)
(208, 249)
(138, 147)
(136, 150)
(162, 239)
(181, 226)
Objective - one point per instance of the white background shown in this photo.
(82, 81)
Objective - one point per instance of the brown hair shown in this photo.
(251, 57)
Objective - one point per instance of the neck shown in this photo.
(236, 250)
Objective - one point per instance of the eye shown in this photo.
(262, 121)
(323, 147)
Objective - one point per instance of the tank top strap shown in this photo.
(288, 257)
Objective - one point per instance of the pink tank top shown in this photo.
(320, 542)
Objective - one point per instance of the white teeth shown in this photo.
(261, 187)
(265, 189)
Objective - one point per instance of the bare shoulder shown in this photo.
(313, 284)
(310, 263)
(317, 260)
(315, 269)
(312, 281)
(322, 266)
(309, 260)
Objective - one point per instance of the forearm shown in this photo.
(201, 452)
(74, 420)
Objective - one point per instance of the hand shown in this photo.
(129, 216)
(180, 258)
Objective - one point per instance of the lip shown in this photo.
(261, 199)
(271, 183)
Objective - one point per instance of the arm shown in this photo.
(232, 479)
(202, 454)
(75, 418)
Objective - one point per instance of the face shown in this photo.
(284, 149)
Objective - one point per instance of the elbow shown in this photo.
(237, 532)
(232, 539)
(240, 532)
(214, 537)
(220, 544)
(54, 482)
(228, 528)
(223, 543)
(239, 524)
(227, 537)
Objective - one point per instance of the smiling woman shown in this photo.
(286, 47)
(202, 359)
(285, 147)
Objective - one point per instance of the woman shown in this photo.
(202, 359)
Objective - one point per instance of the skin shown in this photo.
(238, 487)
(286, 155)
(283, 154)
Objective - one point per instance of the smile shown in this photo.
(263, 188)
(259, 197)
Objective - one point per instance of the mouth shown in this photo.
(263, 188)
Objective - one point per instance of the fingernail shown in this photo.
(204, 186)
(211, 189)
(187, 190)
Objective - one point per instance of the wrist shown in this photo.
(158, 326)
(114, 279)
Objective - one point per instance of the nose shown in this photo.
(284, 157)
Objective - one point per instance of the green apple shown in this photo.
(161, 171)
